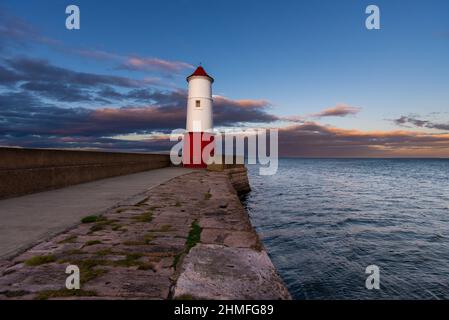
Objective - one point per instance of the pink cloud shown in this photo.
(312, 139)
(340, 110)
(242, 103)
(154, 64)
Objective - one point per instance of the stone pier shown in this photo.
(188, 238)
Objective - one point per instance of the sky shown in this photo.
(309, 68)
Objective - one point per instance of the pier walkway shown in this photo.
(29, 219)
(188, 238)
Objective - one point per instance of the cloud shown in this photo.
(60, 91)
(8, 77)
(28, 122)
(26, 69)
(31, 113)
(14, 31)
(232, 112)
(307, 140)
(25, 114)
(22, 114)
(153, 64)
(88, 143)
(340, 110)
(315, 140)
(64, 85)
(18, 33)
(30, 104)
(412, 121)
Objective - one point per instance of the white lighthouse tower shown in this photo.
(199, 123)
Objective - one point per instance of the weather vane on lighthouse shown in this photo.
(198, 143)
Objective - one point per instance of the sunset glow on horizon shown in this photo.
(332, 87)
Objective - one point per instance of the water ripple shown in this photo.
(323, 221)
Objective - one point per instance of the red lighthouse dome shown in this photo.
(200, 72)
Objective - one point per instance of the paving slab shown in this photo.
(28, 219)
(189, 238)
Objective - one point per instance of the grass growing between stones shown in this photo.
(88, 267)
(70, 239)
(63, 293)
(73, 252)
(101, 223)
(96, 227)
(176, 260)
(144, 217)
(146, 240)
(133, 260)
(207, 195)
(15, 293)
(164, 228)
(88, 270)
(192, 240)
(104, 252)
(39, 260)
(146, 266)
(130, 260)
(92, 243)
(194, 235)
(90, 219)
(117, 227)
(134, 243)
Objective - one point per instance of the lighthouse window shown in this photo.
(198, 103)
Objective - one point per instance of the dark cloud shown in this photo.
(412, 121)
(8, 77)
(26, 69)
(315, 140)
(59, 91)
(90, 143)
(64, 85)
(23, 113)
(232, 112)
(108, 93)
(26, 121)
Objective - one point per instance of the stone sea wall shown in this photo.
(189, 238)
(24, 171)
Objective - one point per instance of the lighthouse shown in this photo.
(198, 141)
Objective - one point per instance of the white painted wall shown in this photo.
(199, 119)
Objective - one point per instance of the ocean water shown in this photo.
(323, 221)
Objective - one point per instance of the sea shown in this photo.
(325, 221)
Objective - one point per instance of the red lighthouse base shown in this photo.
(198, 148)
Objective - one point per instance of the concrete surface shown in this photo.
(28, 219)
